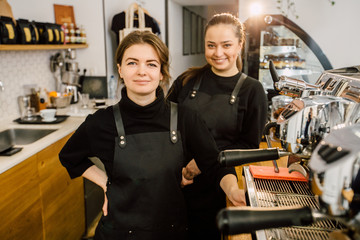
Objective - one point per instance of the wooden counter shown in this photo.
(40, 201)
(38, 198)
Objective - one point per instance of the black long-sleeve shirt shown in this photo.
(95, 136)
(252, 109)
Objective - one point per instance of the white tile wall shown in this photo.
(22, 67)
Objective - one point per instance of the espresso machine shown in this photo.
(66, 72)
(320, 132)
(328, 207)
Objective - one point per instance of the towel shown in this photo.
(266, 172)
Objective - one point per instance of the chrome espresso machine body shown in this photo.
(327, 206)
(333, 101)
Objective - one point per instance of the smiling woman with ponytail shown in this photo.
(234, 108)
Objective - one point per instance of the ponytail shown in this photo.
(193, 72)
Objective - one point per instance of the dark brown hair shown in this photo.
(239, 30)
(146, 37)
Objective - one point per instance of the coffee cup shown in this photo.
(48, 115)
(99, 103)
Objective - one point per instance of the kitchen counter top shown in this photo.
(76, 116)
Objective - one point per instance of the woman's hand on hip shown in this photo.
(105, 205)
(191, 170)
(184, 180)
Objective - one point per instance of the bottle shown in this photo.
(112, 87)
(82, 34)
(66, 33)
(72, 33)
(34, 99)
(77, 35)
(42, 99)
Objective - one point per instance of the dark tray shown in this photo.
(10, 151)
(38, 120)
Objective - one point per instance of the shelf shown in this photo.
(29, 47)
(290, 72)
(277, 49)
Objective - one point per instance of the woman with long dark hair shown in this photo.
(234, 107)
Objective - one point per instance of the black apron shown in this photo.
(220, 111)
(144, 193)
(203, 198)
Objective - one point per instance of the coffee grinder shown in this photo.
(70, 75)
(67, 78)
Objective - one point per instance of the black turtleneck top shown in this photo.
(95, 136)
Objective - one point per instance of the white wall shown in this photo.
(18, 68)
(180, 63)
(215, 9)
(87, 13)
(334, 28)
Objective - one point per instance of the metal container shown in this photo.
(27, 112)
(309, 119)
(24, 103)
(61, 101)
(278, 104)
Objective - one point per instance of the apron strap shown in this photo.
(173, 122)
(236, 90)
(196, 87)
(119, 125)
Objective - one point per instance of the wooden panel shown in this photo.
(64, 14)
(20, 204)
(62, 198)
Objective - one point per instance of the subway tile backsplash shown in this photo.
(18, 68)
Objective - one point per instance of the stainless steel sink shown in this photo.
(21, 136)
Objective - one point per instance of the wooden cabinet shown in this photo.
(62, 198)
(20, 203)
(40, 201)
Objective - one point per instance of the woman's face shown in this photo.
(141, 70)
(222, 48)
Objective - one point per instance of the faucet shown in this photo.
(1, 86)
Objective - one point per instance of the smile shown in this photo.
(219, 60)
(142, 81)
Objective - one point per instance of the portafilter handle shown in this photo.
(236, 157)
(288, 82)
(273, 72)
(232, 221)
(268, 141)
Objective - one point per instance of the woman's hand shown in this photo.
(184, 180)
(100, 178)
(105, 205)
(191, 170)
(237, 197)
